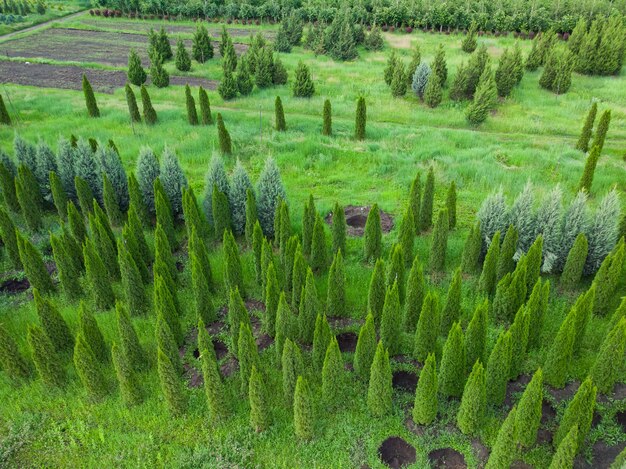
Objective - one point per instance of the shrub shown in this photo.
(470, 42)
(566, 451)
(5, 118)
(233, 276)
(498, 368)
(606, 367)
(439, 66)
(183, 60)
(471, 415)
(303, 86)
(279, 72)
(33, 265)
(488, 276)
(414, 295)
(426, 402)
(332, 373)
(361, 117)
(158, 75)
(136, 74)
(47, 363)
(205, 107)
(420, 80)
(426, 209)
(373, 235)
(131, 101)
(471, 250)
(390, 323)
(579, 412)
(379, 390)
(573, 270)
(395, 272)
(439, 246)
(601, 130)
(427, 328)
(503, 450)
(453, 364)
(148, 171)
(557, 360)
(392, 63)
(318, 246)
(327, 126)
(149, 114)
(90, 99)
(433, 94)
(227, 87)
(202, 49)
(270, 191)
(399, 81)
(292, 367)
(321, 341)
(53, 324)
(192, 114)
(129, 342)
(585, 134)
(171, 385)
(279, 115)
(28, 199)
(336, 301)
(365, 348)
(88, 369)
(484, 99)
(129, 386)
(303, 418)
(259, 407)
(376, 292)
(528, 416)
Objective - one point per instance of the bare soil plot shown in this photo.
(70, 77)
(77, 45)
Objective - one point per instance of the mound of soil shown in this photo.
(356, 217)
(621, 419)
(404, 381)
(447, 458)
(13, 286)
(347, 341)
(602, 456)
(264, 341)
(221, 350)
(394, 452)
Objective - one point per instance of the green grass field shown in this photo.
(530, 137)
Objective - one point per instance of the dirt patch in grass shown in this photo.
(356, 217)
(394, 452)
(566, 393)
(481, 451)
(620, 417)
(230, 366)
(404, 381)
(13, 286)
(603, 456)
(618, 394)
(77, 45)
(548, 414)
(521, 465)
(347, 341)
(447, 458)
(263, 341)
(516, 387)
(70, 77)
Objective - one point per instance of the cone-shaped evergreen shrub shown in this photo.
(233, 275)
(585, 134)
(426, 209)
(327, 127)
(292, 367)
(336, 300)
(590, 167)
(373, 235)
(5, 119)
(469, 42)
(452, 309)
(129, 342)
(573, 269)
(111, 205)
(471, 250)
(566, 451)
(192, 113)
(11, 360)
(332, 373)
(171, 385)
(202, 49)
(183, 60)
(221, 212)
(136, 74)
(560, 353)
(471, 415)
(47, 363)
(166, 343)
(205, 107)
(498, 369)
(309, 307)
(361, 119)
(34, 268)
(439, 66)
(365, 348)
(90, 99)
(88, 327)
(506, 263)
(58, 195)
(339, 229)
(407, 233)
(284, 325)
(379, 390)
(132, 283)
(88, 369)
(476, 334)
(303, 417)
(223, 136)
(426, 402)
(149, 114)
(279, 115)
(158, 75)
(67, 267)
(303, 86)
(519, 341)
(488, 276)
(485, 98)
(427, 329)
(260, 418)
(29, 207)
(414, 295)
(433, 93)
(529, 409)
(7, 188)
(321, 340)
(579, 412)
(10, 239)
(453, 364)
(503, 450)
(214, 391)
(318, 260)
(601, 130)
(609, 361)
(247, 354)
(129, 385)
(391, 321)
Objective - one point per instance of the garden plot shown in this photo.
(70, 77)
(77, 45)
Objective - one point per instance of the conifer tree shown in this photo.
(601, 130)
(213, 387)
(529, 409)
(90, 99)
(53, 324)
(247, 353)
(308, 222)
(566, 451)
(129, 342)
(439, 66)
(452, 309)
(223, 136)
(132, 283)
(11, 360)
(559, 354)
(97, 278)
(452, 370)
(309, 306)
(29, 206)
(407, 233)
(279, 72)
(67, 268)
(173, 180)
(519, 341)
(471, 250)
(433, 93)
(415, 200)
(488, 277)
(365, 348)
(336, 300)
(318, 246)
(158, 75)
(47, 363)
(426, 209)
(149, 114)
(205, 107)
(485, 98)
(498, 369)
(292, 366)
(279, 115)
(505, 75)
(33, 265)
(303, 417)
(321, 341)
(5, 118)
(110, 202)
(88, 327)
(76, 222)
(503, 450)
(10, 239)
(379, 390)
(573, 269)
(361, 119)
(260, 418)
(414, 295)
(183, 60)
(132, 233)
(390, 322)
(7, 186)
(233, 275)
(476, 334)
(227, 87)
(332, 373)
(606, 368)
(303, 86)
(221, 212)
(399, 81)
(202, 49)
(167, 343)
(58, 195)
(192, 114)
(339, 229)
(263, 76)
(129, 386)
(451, 204)
(136, 74)
(506, 263)
(270, 191)
(585, 134)
(471, 415)
(426, 402)
(298, 275)
(439, 246)
(171, 385)
(373, 235)
(392, 63)
(88, 369)
(427, 329)
(284, 325)
(327, 127)
(470, 42)
(148, 171)
(590, 167)
(237, 315)
(579, 412)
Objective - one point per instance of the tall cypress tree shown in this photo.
(90, 99)
(427, 329)
(11, 360)
(131, 101)
(223, 136)
(332, 373)
(192, 113)
(414, 295)
(321, 339)
(579, 412)
(471, 250)
(327, 127)
(426, 402)
(566, 451)
(606, 367)
(536, 306)
(88, 327)
(452, 309)
(213, 386)
(171, 385)
(7, 187)
(390, 323)
(279, 115)
(452, 369)
(10, 239)
(590, 167)
(379, 390)
(336, 300)
(251, 216)
(476, 334)
(309, 307)
(292, 366)
(373, 235)
(47, 363)
(205, 107)
(26, 198)
(88, 369)
(284, 324)
(233, 274)
(166, 343)
(67, 267)
(221, 212)
(601, 130)
(339, 229)
(5, 119)
(260, 418)
(498, 369)
(247, 353)
(129, 342)
(519, 341)
(506, 263)
(559, 355)
(503, 450)
(53, 324)
(488, 277)
(318, 260)
(471, 415)
(407, 233)
(303, 417)
(59, 196)
(132, 283)
(149, 114)
(426, 209)
(365, 348)
(34, 267)
(529, 409)
(97, 277)
(129, 385)
(585, 134)
(361, 118)
(111, 205)
(575, 263)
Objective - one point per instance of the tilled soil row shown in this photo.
(70, 77)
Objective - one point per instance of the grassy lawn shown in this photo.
(55, 9)
(530, 137)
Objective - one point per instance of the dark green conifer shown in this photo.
(47, 363)
(132, 282)
(609, 361)
(11, 360)
(303, 86)
(192, 113)
(213, 387)
(336, 300)
(33, 265)
(237, 315)
(5, 119)
(279, 115)
(67, 267)
(284, 325)
(560, 353)
(166, 343)
(221, 212)
(88, 369)
(439, 246)
(476, 334)
(439, 67)
(379, 390)
(488, 276)
(88, 327)
(373, 235)
(391, 321)
(247, 354)
(453, 364)
(233, 274)
(471, 250)
(365, 348)
(506, 263)
(183, 60)
(205, 107)
(327, 127)
(471, 415)
(318, 246)
(452, 309)
(321, 340)
(361, 118)
(149, 114)
(251, 216)
(131, 101)
(426, 402)
(110, 202)
(332, 373)
(9, 239)
(292, 366)
(85, 196)
(171, 385)
(585, 134)
(224, 136)
(136, 74)
(566, 451)
(573, 269)
(600, 134)
(7, 187)
(303, 417)
(426, 209)
(309, 307)
(129, 385)
(129, 342)
(29, 206)
(260, 418)
(503, 450)
(407, 233)
(58, 195)
(433, 93)
(90, 99)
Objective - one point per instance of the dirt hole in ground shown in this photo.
(13, 286)
(347, 341)
(621, 419)
(447, 458)
(396, 453)
(404, 381)
(356, 217)
(220, 349)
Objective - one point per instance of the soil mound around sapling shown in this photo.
(404, 381)
(394, 452)
(356, 217)
(447, 458)
(347, 341)
(13, 286)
